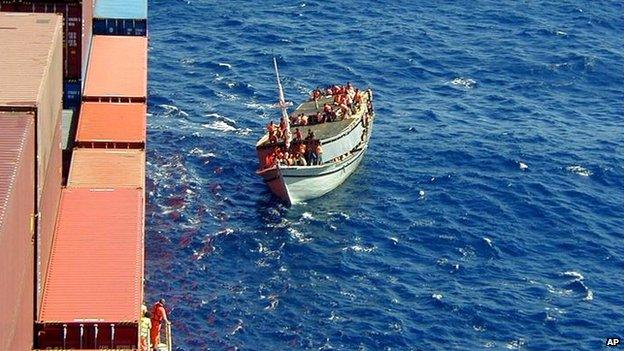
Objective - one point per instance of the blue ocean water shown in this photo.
(487, 214)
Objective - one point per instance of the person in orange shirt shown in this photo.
(158, 316)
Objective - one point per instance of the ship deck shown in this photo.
(321, 131)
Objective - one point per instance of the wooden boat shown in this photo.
(343, 143)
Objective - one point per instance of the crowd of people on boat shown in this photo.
(346, 100)
(302, 152)
(307, 150)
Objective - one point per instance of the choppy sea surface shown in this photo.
(488, 212)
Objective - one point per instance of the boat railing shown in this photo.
(168, 337)
(167, 345)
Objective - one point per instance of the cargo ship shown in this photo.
(73, 107)
(331, 137)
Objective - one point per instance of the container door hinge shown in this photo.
(33, 223)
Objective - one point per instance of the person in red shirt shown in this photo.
(158, 316)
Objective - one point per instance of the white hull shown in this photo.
(297, 184)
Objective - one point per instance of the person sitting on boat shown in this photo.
(327, 108)
(303, 120)
(338, 98)
(319, 118)
(282, 126)
(349, 103)
(300, 160)
(346, 111)
(285, 159)
(329, 114)
(302, 148)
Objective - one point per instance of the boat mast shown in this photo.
(282, 105)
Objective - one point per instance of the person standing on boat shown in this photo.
(310, 135)
(316, 96)
(298, 135)
(357, 98)
(272, 129)
(319, 154)
(158, 316)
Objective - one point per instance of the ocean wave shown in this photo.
(580, 170)
(220, 126)
(467, 83)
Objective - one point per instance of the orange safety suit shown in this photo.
(158, 315)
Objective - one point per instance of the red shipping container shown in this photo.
(17, 207)
(77, 29)
(48, 208)
(111, 125)
(94, 289)
(117, 69)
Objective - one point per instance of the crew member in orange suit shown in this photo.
(158, 316)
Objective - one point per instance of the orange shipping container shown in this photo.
(111, 125)
(31, 74)
(107, 168)
(94, 290)
(117, 69)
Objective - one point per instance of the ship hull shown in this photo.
(298, 184)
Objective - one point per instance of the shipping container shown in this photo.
(48, 207)
(17, 208)
(107, 168)
(117, 70)
(31, 76)
(94, 290)
(112, 125)
(77, 29)
(120, 17)
(72, 93)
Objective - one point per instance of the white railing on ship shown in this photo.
(167, 345)
(169, 337)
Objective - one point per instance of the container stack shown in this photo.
(77, 33)
(31, 91)
(77, 29)
(72, 109)
(94, 289)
